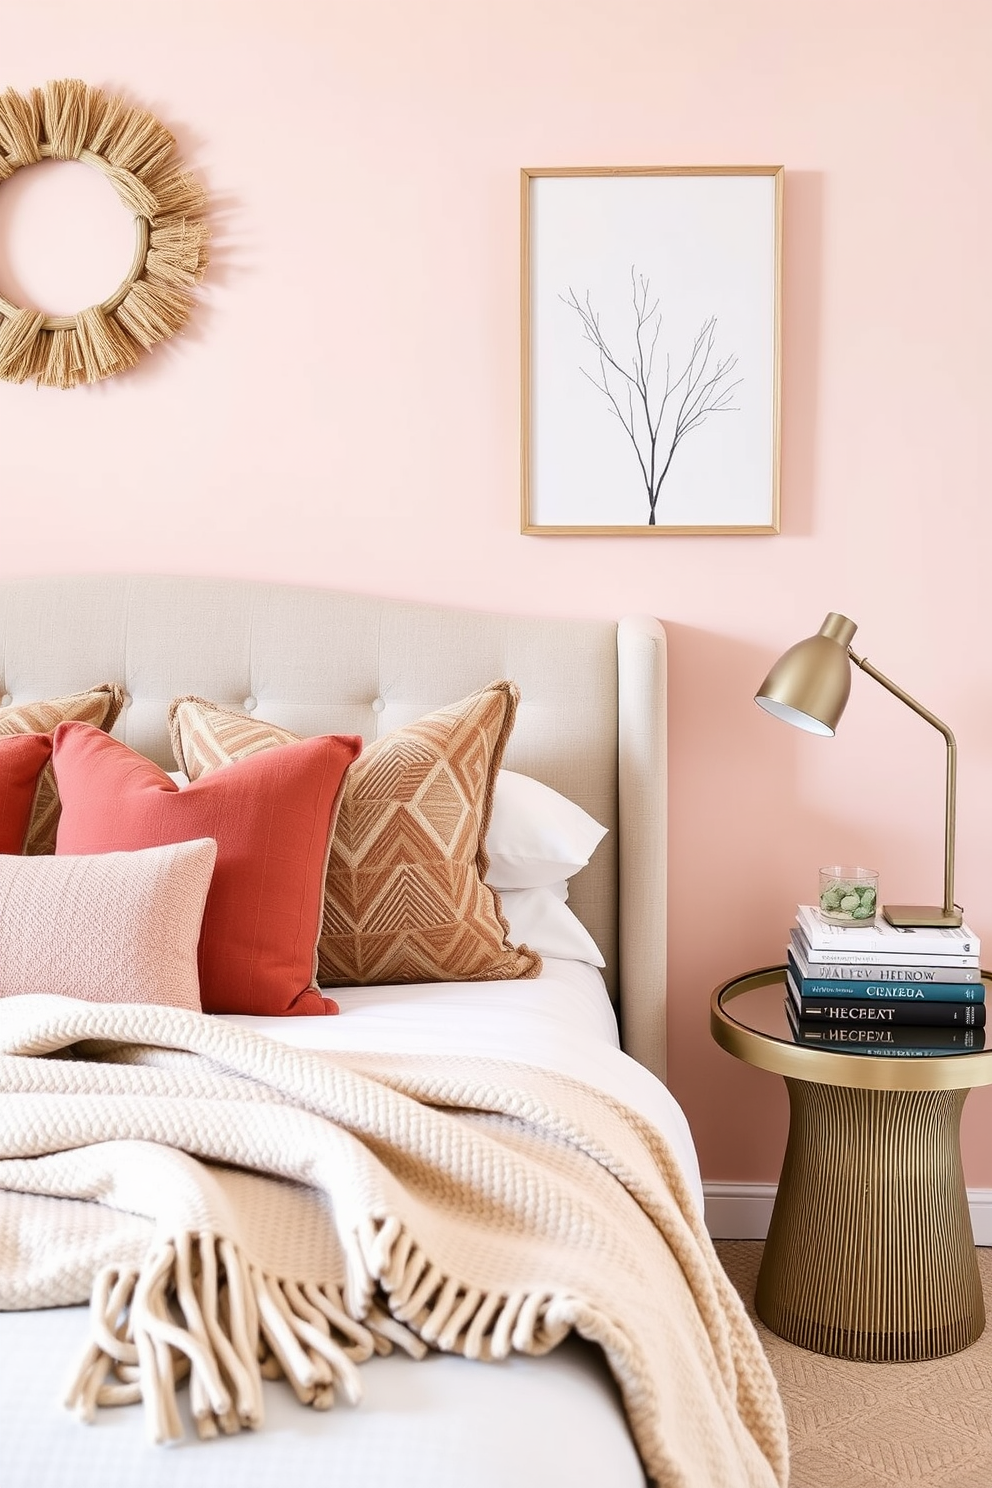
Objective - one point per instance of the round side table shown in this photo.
(870, 1252)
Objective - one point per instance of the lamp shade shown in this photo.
(809, 685)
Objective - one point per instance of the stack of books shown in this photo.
(876, 989)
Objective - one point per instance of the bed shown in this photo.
(589, 725)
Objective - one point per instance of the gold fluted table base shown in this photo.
(870, 1253)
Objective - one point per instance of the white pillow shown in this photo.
(530, 819)
(536, 836)
(542, 921)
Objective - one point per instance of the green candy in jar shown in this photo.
(843, 899)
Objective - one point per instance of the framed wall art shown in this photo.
(650, 306)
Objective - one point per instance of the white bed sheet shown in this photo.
(441, 1423)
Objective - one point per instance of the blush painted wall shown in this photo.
(343, 409)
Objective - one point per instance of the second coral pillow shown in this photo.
(23, 758)
(271, 816)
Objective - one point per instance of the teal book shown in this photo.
(831, 987)
(897, 1014)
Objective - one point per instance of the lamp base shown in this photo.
(910, 916)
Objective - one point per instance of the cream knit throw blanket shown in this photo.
(235, 1208)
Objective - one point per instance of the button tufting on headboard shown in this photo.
(321, 660)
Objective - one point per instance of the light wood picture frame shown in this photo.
(650, 342)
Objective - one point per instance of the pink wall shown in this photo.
(343, 409)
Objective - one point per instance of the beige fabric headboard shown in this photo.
(591, 721)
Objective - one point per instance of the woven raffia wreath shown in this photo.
(69, 120)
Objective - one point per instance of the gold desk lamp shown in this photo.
(809, 685)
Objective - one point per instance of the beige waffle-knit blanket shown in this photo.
(233, 1207)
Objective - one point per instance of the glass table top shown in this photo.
(750, 1020)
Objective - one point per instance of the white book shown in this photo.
(885, 939)
(839, 961)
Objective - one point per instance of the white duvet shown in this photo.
(444, 1422)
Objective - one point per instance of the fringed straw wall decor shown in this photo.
(69, 120)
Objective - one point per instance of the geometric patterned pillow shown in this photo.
(100, 706)
(206, 736)
(405, 899)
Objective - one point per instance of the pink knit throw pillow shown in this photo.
(114, 927)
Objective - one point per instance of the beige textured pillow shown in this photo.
(405, 899)
(99, 706)
(112, 927)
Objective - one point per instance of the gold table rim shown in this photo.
(828, 1067)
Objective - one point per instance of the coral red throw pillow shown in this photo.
(22, 759)
(100, 705)
(272, 817)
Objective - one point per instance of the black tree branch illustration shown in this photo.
(656, 413)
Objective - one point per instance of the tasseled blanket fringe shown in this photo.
(198, 1309)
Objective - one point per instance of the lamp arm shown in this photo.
(950, 793)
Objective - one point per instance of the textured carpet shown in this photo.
(879, 1425)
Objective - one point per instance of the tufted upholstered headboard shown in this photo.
(591, 721)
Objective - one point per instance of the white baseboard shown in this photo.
(738, 1211)
(980, 1204)
(742, 1211)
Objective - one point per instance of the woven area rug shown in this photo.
(879, 1425)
